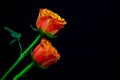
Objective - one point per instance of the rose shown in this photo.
(45, 54)
(49, 22)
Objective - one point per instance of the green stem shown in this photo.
(20, 45)
(13, 66)
(23, 55)
(33, 44)
(24, 71)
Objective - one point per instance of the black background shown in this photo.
(88, 44)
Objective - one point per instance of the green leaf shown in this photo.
(13, 33)
(41, 67)
(13, 41)
(49, 35)
(16, 37)
(33, 28)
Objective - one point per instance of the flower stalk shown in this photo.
(24, 71)
(23, 55)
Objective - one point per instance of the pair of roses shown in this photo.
(44, 54)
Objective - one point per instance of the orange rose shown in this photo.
(45, 54)
(49, 22)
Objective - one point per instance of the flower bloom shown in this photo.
(45, 54)
(49, 22)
